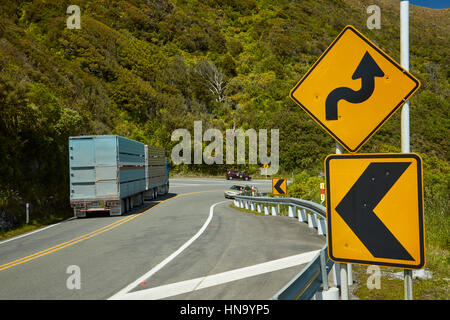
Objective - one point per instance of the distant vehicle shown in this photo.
(238, 175)
(112, 173)
(237, 190)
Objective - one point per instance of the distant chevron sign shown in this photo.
(353, 89)
(279, 186)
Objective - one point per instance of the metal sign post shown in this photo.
(404, 60)
(343, 266)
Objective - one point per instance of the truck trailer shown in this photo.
(112, 173)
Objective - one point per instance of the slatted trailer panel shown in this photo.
(156, 167)
(113, 173)
(109, 167)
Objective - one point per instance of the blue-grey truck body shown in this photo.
(113, 173)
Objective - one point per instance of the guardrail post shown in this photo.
(252, 206)
(323, 270)
(27, 218)
(258, 207)
(236, 202)
(321, 226)
(274, 210)
(291, 211)
(336, 274)
(246, 205)
(312, 222)
(326, 293)
(336, 269)
(266, 210)
(302, 215)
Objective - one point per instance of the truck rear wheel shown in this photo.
(123, 206)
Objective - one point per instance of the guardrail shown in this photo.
(306, 284)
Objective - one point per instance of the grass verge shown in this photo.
(392, 288)
(392, 283)
(33, 225)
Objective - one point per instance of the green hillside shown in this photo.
(137, 68)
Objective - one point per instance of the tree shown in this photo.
(215, 78)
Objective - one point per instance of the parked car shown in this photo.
(238, 175)
(236, 190)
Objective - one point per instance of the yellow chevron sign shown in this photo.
(375, 209)
(279, 186)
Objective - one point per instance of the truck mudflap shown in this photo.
(115, 211)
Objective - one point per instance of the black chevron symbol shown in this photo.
(277, 186)
(356, 208)
(367, 70)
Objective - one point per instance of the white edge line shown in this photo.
(119, 295)
(35, 231)
(181, 287)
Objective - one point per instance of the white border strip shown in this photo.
(177, 288)
(34, 231)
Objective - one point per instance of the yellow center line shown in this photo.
(51, 249)
(89, 235)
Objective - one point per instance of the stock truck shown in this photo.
(114, 174)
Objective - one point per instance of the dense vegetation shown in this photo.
(141, 69)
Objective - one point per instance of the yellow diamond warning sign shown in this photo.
(353, 89)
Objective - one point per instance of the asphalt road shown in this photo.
(188, 245)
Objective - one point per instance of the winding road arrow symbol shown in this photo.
(356, 208)
(367, 70)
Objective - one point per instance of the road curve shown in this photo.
(188, 245)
